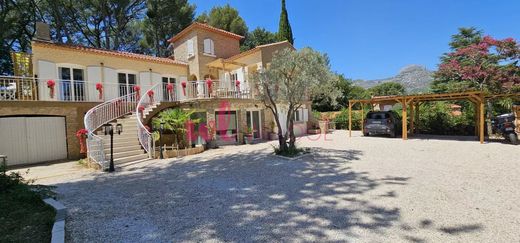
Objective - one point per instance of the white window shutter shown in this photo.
(305, 114)
(207, 46)
(191, 52)
(212, 48)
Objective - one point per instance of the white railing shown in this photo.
(14, 88)
(102, 114)
(150, 97)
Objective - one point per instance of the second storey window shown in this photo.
(191, 49)
(209, 47)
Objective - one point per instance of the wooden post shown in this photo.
(405, 120)
(362, 116)
(412, 117)
(477, 118)
(350, 119)
(482, 111)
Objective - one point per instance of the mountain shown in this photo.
(415, 78)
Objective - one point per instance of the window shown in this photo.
(208, 47)
(72, 84)
(300, 115)
(253, 122)
(126, 82)
(191, 49)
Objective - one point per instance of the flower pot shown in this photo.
(313, 131)
(324, 126)
(248, 139)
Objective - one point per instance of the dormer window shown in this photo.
(209, 47)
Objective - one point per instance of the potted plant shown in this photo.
(248, 136)
(313, 129)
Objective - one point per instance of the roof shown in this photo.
(218, 63)
(204, 27)
(106, 52)
(257, 48)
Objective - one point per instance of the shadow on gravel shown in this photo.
(248, 196)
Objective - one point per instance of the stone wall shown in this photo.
(73, 113)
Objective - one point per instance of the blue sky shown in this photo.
(371, 39)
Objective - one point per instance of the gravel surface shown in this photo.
(359, 189)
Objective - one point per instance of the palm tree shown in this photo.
(175, 120)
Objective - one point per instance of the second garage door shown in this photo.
(28, 140)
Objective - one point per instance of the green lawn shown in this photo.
(24, 216)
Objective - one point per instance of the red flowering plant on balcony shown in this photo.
(50, 84)
(209, 82)
(150, 94)
(137, 90)
(99, 88)
(183, 84)
(169, 88)
(81, 134)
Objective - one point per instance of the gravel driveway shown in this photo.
(359, 189)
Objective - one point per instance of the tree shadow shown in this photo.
(240, 196)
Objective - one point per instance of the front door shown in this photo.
(253, 122)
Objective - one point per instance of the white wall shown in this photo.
(111, 89)
(94, 77)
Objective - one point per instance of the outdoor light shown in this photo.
(119, 128)
(107, 128)
(161, 128)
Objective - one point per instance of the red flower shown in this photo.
(150, 93)
(81, 132)
(141, 108)
(99, 86)
(183, 83)
(169, 87)
(237, 83)
(137, 88)
(50, 83)
(209, 82)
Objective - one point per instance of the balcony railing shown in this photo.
(27, 88)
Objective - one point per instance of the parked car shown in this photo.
(382, 123)
(504, 125)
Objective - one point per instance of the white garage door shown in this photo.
(27, 140)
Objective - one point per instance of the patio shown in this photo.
(351, 189)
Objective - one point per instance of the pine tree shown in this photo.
(284, 29)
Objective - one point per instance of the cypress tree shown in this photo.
(284, 28)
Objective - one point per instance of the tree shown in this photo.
(284, 28)
(226, 18)
(258, 36)
(176, 121)
(163, 20)
(287, 84)
(322, 101)
(17, 20)
(388, 88)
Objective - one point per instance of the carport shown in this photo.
(413, 102)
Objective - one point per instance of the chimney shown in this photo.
(42, 32)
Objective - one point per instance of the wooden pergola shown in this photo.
(478, 99)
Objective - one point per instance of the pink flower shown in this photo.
(51, 83)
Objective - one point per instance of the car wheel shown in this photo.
(513, 138)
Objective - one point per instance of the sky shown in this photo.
(373, 39)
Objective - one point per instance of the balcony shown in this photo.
(35, 89)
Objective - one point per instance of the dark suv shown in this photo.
(381, 122)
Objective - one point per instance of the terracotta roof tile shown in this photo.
(205, 27)
(110, 52)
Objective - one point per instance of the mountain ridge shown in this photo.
(415, 78)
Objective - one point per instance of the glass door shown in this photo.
(226, 125)
(167, 95)
(72, 84)
(253, 122)
(126, 83)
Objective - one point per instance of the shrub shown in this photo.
(341, 119)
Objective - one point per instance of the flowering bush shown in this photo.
(51, 83)
(81, 132)
(99, 86)
(150, 93)
(137, 88)
(169, 87)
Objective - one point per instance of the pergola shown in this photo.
(478, 98)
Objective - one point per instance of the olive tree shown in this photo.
(290, 81)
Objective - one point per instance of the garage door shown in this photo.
(27, 140)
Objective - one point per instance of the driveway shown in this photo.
(359, 189)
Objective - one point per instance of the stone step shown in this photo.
(121, 144)
(118, 149)
(128, 130)
(130, 158)
(121, 139)
(125, 154)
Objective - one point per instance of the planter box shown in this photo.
(324, 126)
(180, 153)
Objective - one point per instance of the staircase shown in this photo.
(126, 145)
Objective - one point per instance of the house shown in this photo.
(72, 87)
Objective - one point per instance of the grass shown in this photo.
(24, 215)
(290, 152)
